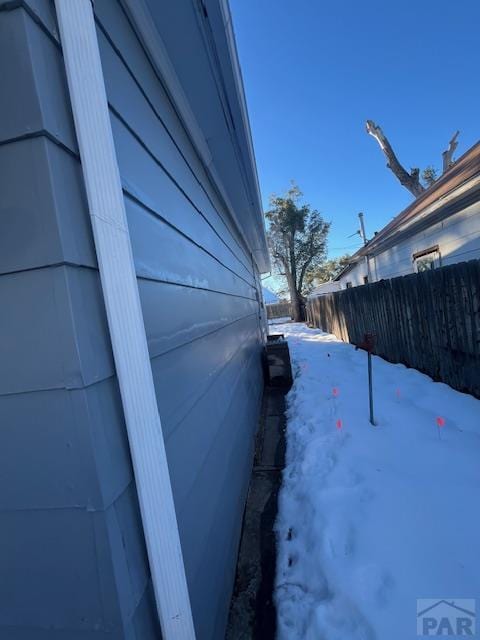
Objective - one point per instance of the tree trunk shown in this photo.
(410, 181)
(296, 309)
(298, 306)
(294, 298)
(448, 154)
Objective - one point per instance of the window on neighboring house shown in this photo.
(427, 259)
(348, 285)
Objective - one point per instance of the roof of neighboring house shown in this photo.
(324, 287)
(268, 296)
(456, 189)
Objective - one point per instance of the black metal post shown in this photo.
(370, 387)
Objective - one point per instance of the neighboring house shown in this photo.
(269, 297)
(325, 287)
(75, 522)
(276, 308)
(440, 227)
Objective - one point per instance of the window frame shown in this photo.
(420, 257)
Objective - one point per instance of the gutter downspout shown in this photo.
(127, 330)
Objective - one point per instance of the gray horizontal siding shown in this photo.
(95, 561)
(27, 538)
(46, 110)
(144, 178)
(42, 196)
(78, 436)
(211, 515)
(34, 91)
(58, 392)
(219, 414)
(72, 555)
(53, 331)
(41, 11)
(187, 314)
(151, 112)
(181, 230)
(209, 388)
(202, 62)
(45, 351)
(195, 366)
(134, 128)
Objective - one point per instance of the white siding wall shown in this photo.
(355, 275)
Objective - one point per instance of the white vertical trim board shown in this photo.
(125, 321)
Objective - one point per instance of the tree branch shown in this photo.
(410, 181)
(448, 154)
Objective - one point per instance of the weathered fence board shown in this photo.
(429, 320)
(279, 310)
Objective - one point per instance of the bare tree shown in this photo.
(448, 154)
(410, 181)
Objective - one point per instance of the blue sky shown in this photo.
(315, 70)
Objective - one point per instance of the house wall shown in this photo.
(458, 238)
(325, 287)
(355, 276)
(72, 554)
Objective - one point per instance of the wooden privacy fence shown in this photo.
(429, 320)
(279, 310)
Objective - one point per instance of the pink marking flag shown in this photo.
(339, 424)
(335, 392)
(440, 422)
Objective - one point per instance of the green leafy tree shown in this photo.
(429, 176)
(327, 271)
(297, 237)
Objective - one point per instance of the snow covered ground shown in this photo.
(279, 320)
(372, 518)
